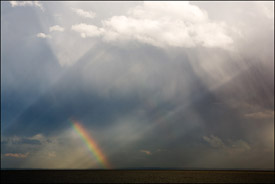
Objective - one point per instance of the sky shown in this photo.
(109, 85)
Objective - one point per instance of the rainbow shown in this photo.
(91, 144)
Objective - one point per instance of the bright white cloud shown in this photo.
(43, 35)
(27, 3)
(86, 30)
(56, 28)
(83, 13)
(176, 24)
(162, 24)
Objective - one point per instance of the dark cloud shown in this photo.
(145, 106)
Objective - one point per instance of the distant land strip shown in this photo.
(136, 176)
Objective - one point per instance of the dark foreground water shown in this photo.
(134, 176)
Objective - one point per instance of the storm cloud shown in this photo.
(156, 84)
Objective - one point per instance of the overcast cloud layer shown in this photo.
(156, 84)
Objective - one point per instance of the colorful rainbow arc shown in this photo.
(91, 144)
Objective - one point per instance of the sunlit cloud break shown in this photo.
(146, 152)
(91, 144)
(16, 155)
